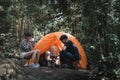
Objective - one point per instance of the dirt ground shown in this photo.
(12, 69)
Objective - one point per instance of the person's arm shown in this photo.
(64, 48)
(47, 55)
(30, 45)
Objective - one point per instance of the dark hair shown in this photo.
(62, 37)
(28, 34)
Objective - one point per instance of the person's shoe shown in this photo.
(26, 64)
(64, 65)
(34, 65)
(37, 65)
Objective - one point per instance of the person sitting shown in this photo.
(52, 57)
(26, 47)
(69, 55)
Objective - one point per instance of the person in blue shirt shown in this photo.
(69, 53)
(26, 47)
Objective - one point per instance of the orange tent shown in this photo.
(52, 39)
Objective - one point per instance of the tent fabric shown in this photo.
(52, 39)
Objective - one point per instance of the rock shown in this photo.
(6, 71)
(2, 71)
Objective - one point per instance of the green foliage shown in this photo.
(100, 25)
(4, 23)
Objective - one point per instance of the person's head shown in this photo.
(63, 38)
(28, 36)
(53, 48)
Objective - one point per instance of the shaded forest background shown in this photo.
(95, 23)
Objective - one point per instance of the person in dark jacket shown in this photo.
(69, 53)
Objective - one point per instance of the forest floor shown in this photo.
(13, 69)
